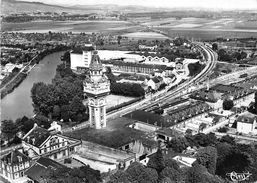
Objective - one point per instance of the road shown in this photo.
(22, 69)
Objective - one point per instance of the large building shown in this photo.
(96, 88)
(14, 164)
(81, 57)
(40, 142)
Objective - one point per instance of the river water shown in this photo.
(19, 103)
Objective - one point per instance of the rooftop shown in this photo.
(225, 88)
(146, 117)
(15, 157)
(247, 117)
(36, 136)
(41, 167)
(115, 135)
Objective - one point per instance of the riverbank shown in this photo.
(22, 75)
(18, 103)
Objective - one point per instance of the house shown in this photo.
(155, 83)
(165, 134)
(41, 168)
(184, 161)
(9, 68)
(40, 142)
(179, 65)
(246, 123)
(14, 164)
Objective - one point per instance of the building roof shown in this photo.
(79, 50)
(247, 117)
(206, 95)
(95, 63)
(155, 80)
(41, 167)
(167, 132)
(15, 157)
(146, 117)
(225, 88)
(36, 136)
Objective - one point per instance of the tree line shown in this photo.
(62, 99)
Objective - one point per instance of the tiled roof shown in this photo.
(41, 167)
(79, 50)
(146, 117)
(247, 118)
(36, 136)
(14, 157)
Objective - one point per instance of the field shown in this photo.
(145, 35)
(61, 26)
(203, 28)
(113, 100)
(195, 28)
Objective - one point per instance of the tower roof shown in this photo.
(95, 62)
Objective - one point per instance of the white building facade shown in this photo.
(96, 88)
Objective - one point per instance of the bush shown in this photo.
(223, 130)
(67, 161)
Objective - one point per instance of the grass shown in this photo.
(115, 135)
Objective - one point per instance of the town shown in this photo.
(111, 107)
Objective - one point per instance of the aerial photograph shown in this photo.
(128, 91)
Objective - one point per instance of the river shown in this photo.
(19, 103)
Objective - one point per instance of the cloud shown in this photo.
(213, 4)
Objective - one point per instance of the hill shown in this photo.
(13, 6)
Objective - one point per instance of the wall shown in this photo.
(76, 61)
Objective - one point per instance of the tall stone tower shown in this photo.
(96, 88)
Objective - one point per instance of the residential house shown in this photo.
(155, 83)
(246, 123)
(14, 164)
(41, 168)
(40, 142)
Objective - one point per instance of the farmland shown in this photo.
(189, 27)
(62, 26)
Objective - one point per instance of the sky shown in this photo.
(209, 4)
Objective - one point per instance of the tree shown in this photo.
(138, 173)
(208, 158)
(215, 46)
(9, 129)
(170, 173)
(178, 144)
(223, 150)
(199, 174)
(227, 104)
(228, 139)
(76, 108)
(157, 161)
(118, 39)
(56, 112)
(119, 176)
(44, 97)
(75, 175)
(65, 113)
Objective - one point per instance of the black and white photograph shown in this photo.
(128, 91)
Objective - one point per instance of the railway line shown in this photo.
(166, 95)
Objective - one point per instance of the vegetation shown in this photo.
(12, 85)
(195, 68)
(253, 108)
(126, 89)
(75, 175)
(223, 130)
(228, 104)
(62, 99)
(227, 56)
